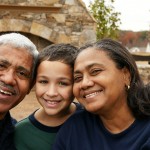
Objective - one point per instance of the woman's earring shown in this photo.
(127, 87)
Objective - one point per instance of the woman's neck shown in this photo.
(119, 120)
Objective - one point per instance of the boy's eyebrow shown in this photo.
(64, 78)
(60, 78)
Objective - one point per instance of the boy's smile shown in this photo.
(54, 86)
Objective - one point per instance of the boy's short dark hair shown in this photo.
(62, 52)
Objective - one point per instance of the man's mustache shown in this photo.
(9, 87)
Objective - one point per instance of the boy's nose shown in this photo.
(52, 91)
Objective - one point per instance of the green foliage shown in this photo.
(143, 35)
(107, 19)
(133, 39)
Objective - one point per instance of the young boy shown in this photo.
(53, 88)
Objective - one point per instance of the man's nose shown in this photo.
(8, 77)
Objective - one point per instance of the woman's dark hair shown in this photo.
(137, 98)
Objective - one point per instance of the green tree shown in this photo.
(106, 18)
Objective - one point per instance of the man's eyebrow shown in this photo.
(23, 68)
(8, 64)
(5, 61)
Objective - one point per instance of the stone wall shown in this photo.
(144, 71)
(57, 21)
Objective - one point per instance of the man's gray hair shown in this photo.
(17, 40)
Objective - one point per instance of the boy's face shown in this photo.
(53, 87)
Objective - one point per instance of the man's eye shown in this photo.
(23, 75)
(2, 66)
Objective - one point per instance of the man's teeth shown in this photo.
(5, 92)
(91, 95)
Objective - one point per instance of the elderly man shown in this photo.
(18, 59)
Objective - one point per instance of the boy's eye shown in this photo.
(63, 83)
(43, 81)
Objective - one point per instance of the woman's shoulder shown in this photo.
(78, 106)
(81, 116)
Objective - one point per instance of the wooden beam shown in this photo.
(141, 57)
(30, 8)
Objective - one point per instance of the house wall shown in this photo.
(144, 71)
(56, 21)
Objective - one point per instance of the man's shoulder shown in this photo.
(22, 123)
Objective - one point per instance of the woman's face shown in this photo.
(98, 84)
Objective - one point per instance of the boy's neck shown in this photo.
(54, 120)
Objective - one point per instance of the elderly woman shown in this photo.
(117, 105)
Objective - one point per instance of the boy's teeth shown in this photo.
(51, 102)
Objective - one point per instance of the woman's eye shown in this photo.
(95, 71)
(77, 79)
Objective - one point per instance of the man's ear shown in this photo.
(31, 86)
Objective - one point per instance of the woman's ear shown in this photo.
(127, 76)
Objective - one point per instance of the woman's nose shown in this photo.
(86, 82)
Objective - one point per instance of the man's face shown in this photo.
(15, 71)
